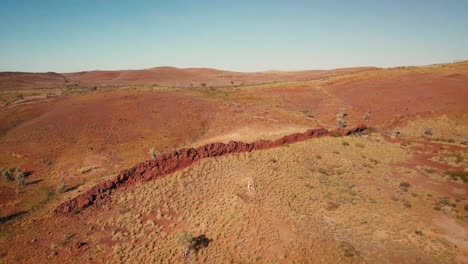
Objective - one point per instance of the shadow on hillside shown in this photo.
(7, 218)
(72, 188)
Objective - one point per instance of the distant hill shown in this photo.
(26, 80)
(170, 76)
(161, 76)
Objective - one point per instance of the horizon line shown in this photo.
(225, 70)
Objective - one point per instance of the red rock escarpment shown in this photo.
(180, 159)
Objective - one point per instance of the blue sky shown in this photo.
(75, 35)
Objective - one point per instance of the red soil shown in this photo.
(6, 195)
(409, 94)
(180, 159)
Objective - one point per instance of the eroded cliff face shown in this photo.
(180, 159)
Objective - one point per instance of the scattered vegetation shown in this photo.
(457, 175)
(16, 175)
(446, 201)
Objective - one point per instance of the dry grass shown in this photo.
(297, 201)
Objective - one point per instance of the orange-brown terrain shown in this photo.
(169, 165)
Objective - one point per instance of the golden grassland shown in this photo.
(328, 199)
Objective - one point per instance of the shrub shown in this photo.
(455, 175)
(9, 174)
(428, 131)
(429, 170)
(405, 186)
(190, 243)
(340, 118)
(366, 116)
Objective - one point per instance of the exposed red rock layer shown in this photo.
(180, 159)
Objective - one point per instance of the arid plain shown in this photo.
(124, 166)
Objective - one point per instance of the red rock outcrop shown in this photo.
(180, 159)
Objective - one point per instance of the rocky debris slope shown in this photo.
(180, 159)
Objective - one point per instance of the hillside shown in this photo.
(350, 197)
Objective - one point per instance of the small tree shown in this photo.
(61, 185)
(152, 153)
(203, 84)
(396, 132)
(340, 118)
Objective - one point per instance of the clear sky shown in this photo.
(75, 35)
